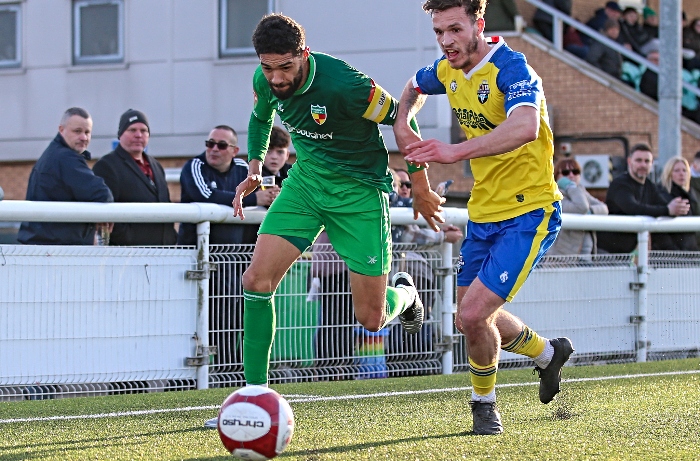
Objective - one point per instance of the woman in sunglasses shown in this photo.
(567, 173)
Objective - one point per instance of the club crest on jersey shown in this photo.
(319, 114)
(483, 92)
(453, 86)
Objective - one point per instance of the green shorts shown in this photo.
(355, 216)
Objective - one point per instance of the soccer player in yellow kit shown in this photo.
(514, 209)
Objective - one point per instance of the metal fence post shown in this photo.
(642, 276)
(447, 309)
(203, 304)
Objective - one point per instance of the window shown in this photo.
(98, 31)
(10, 38)
(238, 20)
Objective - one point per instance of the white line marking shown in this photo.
(293, 398)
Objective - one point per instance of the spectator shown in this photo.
(573, 43)
(62, 175)
(631, 194)
(577, 200)
(212, 177)
(649, 85)
(275, 163)
(675, 182)
(651, 22)
(603, 57)
(134, 176)
(611, 10)
(500, 15)
(695, 185)
(543, 21)
(691, 41)
(632, 33)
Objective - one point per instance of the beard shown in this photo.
(470, 50)
(289, 92)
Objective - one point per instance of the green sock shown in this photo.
(258, 333)
(397, 300)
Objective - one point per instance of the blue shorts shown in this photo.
(502, 254)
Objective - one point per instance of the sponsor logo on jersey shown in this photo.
(520, 198)
(519, 89)
(468, 117)
(306, 133)
(213, 185)
(483, 92)
(504, 277)
(280, 107)
(319, 114)
(453, 86)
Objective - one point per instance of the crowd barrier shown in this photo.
(108, 320)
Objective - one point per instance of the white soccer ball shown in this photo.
(255, 423)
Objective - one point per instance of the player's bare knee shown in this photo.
(373, 324)
(372, 320)
(471, 323)
(252, 281)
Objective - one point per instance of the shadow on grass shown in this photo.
(363, 446)
(35, 451)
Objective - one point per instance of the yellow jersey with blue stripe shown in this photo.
(516, 182)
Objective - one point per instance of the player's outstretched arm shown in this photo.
(426, 202)
(246, 187)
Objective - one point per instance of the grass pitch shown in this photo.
(648, 411)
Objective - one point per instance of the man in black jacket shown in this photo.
(134, 176)
(631, 194)
(212, 177)
(62, 175)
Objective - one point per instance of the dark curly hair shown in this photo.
(278, 34)
(473, 8)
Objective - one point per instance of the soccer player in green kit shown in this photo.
(340, 182)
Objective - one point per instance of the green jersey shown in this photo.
(332, 120)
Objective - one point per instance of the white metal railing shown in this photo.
(203, 214)
(558, 21)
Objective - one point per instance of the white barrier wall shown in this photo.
(86, 320)
(95, 314)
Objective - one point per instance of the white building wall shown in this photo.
(172, 72)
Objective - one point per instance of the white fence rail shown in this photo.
(88, 320)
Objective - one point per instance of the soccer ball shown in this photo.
(255, 423)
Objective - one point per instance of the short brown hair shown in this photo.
(474, 8)
(279, 138)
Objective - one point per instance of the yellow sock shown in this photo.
(483, 378)
(528, 343)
